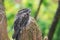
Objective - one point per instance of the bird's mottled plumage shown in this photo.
(21, 21)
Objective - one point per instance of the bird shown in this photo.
(21, 21)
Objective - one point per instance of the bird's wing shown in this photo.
(16, 28)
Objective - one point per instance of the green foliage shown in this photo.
(44, 18)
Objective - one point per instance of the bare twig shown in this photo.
(37, 12)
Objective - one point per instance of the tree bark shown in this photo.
(31, 31)
(3, 23)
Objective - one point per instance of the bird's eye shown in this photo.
(27, 13)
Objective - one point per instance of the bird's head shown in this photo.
(24, 12)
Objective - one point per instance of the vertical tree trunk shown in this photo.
(3, 23)
(30, 32)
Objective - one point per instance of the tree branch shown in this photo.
(37, 12)
(30, 32)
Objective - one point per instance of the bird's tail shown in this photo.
(16, 34)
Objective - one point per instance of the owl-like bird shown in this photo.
(21, 21)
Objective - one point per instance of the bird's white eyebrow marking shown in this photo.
(27, 10)
(21, 11)
(24, 13)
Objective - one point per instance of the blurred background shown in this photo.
(44, 17)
